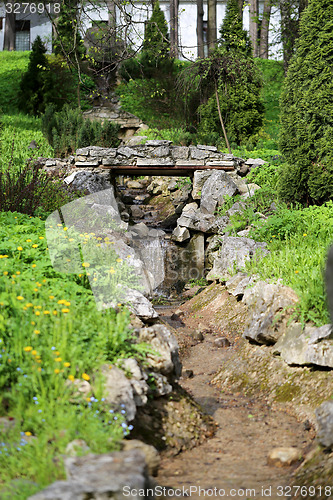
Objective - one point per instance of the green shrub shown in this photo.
(232, 34)
(12, 67)
(307, 110)
(239, 87)
(67, 130)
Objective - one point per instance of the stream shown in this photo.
(233, 463)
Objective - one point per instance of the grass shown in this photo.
(12, 67)
(51, 335)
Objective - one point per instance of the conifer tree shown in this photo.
(31, 96)
(156, 42)
(232, 34)
(306, 136)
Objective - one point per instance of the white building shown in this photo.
(32, 20)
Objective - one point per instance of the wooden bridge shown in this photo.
(162, 170)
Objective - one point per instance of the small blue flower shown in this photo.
(25, 376)
(43, 419)
(122, 405)
(53, 348)
(103, 399)
(18, 449)
(39, 411)
(115, 418)
(35, 398)
(19, 369)
(111, 411)
(124, 425)
(123, 412)
(130, 427)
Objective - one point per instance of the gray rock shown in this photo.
(237, 207)
(251, 189)
(324, 415)
(141, 230)
(255, 162)
(156, 142)
(268, 308)
(136, 212)
(180, 152)
(166, 361)
(88, 182)
(161, 386)
(142, 162)
(136, 140)
(118, 391)
(137, 303)
(240, 183)
(180, 234)
(222, 342)
(134, 185)
(214, 190)
(193, 218)
(100, 477)
(199, 179)
(161, 151)
(138, 381)
(313, 346)
(207, 148)
(198, 154)
(284, 457)
(128, 152)
(234, 253)
(152, 457)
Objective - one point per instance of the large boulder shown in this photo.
(269, 309)
(233, 253)
(215, 189)
(118, 391)
(165, 358)
(311, 346)
(199, 179)
(87, 182)
(193, 218)
(111, 475)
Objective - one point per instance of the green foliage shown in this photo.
(32, 86)
(50, 335)
(307, 110)
(156, 42)
(239, 83)
(232, 34)
(12, 66)
(67, 41)
(67, 130)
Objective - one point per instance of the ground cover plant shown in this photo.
(51, 338)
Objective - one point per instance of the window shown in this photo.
(22, 35)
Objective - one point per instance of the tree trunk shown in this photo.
(174, 28)
(211, 25)
(112, 21)
(254, 13)
(289, 30)
(200, 38)
(9, 37)
(240, 8)
(264, 31)
(221, 120)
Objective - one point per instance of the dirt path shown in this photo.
(234, 461)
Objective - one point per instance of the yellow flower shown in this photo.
(296, 272)
(19, 297)
(99, 238)
(35, 245)
(34, 352)
(37, 313)
(39, 369)
(29, 304)
(58, 359)
(85, 376)
(55, 313)
(67, 303)
(57, 353)
(28, 433)
(273, 236)
(33, 323)
(35, 289)
(85, 264)
(66, 365)
(57, 371)
(41, 237)
(37, 332)
(304, 234)
(46, 312)
(119, 260)
(71, 377)
(111, 270)
(19, 248)
(128, 257)
(28, 241)
(51, 297)
(70, 239)
(5, 273)
(28, 348)
(37, 307)
(18, 272)
(34, 265)
(65, 228)
(61, 301)
(59, 225)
